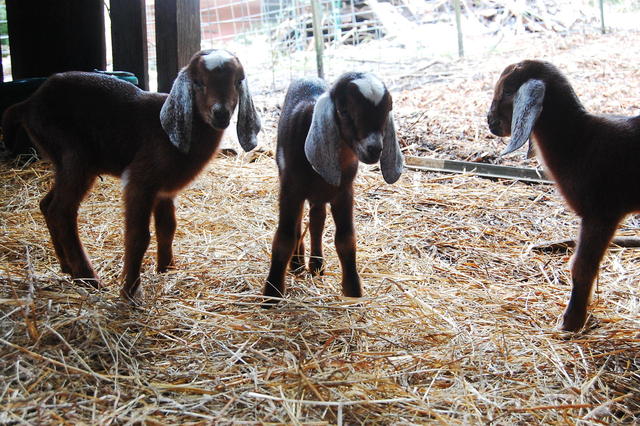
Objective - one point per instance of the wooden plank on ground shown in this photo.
(524, 174)
(565, 245)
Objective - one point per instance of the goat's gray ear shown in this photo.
(527, 106)
(322, 146)
(176, 115)
(391, 160)
(248, 124)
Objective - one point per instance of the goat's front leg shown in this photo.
(283, 245)
(592, 244)
(297, 263)
(138, 207)
(164, 214)
(317, 215)
(60, 209)
(342, 211)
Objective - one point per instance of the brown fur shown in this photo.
(593, 161)
(356, 118)
(89, 124)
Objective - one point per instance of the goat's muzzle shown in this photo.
(370, 148)
(220, 117)
(496, 126)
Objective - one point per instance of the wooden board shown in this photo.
(524, 174)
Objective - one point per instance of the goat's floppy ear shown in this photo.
(176, 115)
(322, 146)
(391, 161)
(248, 124)
(527, 106)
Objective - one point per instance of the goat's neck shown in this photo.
(557, 129)
(204, 142)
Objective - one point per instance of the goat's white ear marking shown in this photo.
(322, 145)
(216, 59)
(248, 124)
(391, 160)
(371, 88)
(176, 114)
(527, 106)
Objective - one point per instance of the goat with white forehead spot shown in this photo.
(89, 124)
(322, 135)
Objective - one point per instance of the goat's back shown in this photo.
(295, 121)
(95, 115)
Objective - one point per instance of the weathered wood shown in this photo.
(177, 37)
(565, 245)
(129, 39)
(456, 6)
(316, 12)
(480, 169)
(49, 36)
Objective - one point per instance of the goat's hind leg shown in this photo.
(297, 263)
(317, 216)
(60, 208)
(55, 240)
(165, 220)
(592, 244)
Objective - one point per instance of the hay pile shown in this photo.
(457, 325)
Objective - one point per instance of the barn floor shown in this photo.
(458, 321)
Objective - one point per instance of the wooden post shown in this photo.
(602, 28)
(129, 39)
(177, 37)
(1, 68)
(456, 5)
(316, 12)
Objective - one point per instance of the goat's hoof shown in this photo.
(165, 268)
(272, 295)
(90, 282)
(573, 322)
(297, 268)
(134, 298)
(316, 267)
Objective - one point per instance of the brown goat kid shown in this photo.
(89, 124)
(322, 134)
(592, 158)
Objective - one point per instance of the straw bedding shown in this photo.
(457, 325)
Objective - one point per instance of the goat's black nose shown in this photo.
(221, 114)
(221, 117)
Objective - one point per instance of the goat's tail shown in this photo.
(11, 122)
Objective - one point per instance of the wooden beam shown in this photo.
(49, 36)
(129, 39)
(566, 244)
(479, 169)
(177, 37)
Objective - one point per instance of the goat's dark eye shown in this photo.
(198, 84)
(239, 83)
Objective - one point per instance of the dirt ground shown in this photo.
(457, 325)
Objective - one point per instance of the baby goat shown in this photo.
(89, 124)
(592, 158)
(322, 134)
